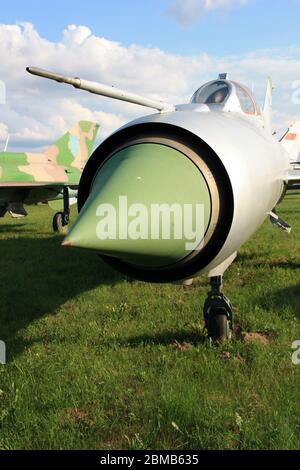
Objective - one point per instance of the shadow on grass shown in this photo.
(263, 260)
(291, 211)
(282, 298)
(245, 257)
(278, 263)
(165, 338)
(13, 228)
(37, 276)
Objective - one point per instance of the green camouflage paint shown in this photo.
(62, 163)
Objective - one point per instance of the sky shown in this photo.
(181, 27)
(158, 48)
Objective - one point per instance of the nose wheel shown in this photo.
(218, 314)
(61, 219)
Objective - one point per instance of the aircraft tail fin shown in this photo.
(75, 147)
(291, 142)
(267, 110)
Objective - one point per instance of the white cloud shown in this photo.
(187, 12)
(39, 111)
(76, 35)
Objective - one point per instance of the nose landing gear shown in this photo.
(218, 314)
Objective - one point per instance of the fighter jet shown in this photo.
(51, 176)
(175, 194)
(291, 142)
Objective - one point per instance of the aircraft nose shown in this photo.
(150, 205)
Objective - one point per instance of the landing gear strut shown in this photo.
(218, 313)
(61, 219)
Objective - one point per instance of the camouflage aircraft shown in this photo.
(52, 176)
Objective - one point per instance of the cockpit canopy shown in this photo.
(212, 93)
(236, 97)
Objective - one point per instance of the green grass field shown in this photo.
(99, 362)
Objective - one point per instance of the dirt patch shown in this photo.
(255, 337)
(237, 330)
(79, 416)
(263, 337)
(182, 346)
(228, 356)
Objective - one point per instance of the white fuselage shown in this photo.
(255, 161)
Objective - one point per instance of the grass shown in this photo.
(99, 362)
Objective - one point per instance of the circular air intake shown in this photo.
(155, 202)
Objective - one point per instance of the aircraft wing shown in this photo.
(13, 196)
(32, 193)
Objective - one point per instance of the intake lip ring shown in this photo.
(219, 185)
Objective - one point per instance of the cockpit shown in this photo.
(212, 93)
(230, 95)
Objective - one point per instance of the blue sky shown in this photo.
(158, 48)
(259, 24)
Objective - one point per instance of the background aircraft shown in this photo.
(218, 151)
(53, 175)
(291, 143)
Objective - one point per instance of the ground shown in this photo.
(99, 362)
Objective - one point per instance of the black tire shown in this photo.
(57, 223)
(218, 326)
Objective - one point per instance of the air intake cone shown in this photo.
(150, 205)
